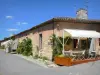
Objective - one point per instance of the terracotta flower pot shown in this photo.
(65, 61)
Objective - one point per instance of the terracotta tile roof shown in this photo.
(68, 19)
(65, 19)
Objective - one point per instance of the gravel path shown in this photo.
(14, 65)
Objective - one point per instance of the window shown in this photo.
(99, 41)
(89, 42)
(83, 44)
(75, 43)
(40, 41)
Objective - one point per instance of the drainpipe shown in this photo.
(53, 40)
(63, 41)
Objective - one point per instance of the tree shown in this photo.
(57, 45)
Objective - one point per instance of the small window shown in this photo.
(89, 42)
(40, 41)
(75, 43)
(83, 44)
(99, 41)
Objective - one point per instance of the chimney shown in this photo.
(82, 14)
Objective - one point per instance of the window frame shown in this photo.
(40, 40)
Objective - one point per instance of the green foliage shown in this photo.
(25, 47)
(58, 44)
(36, 57)
(61, 55)
(5, 38)
(20, 48)
(12, 38)
(2, 47)
(40, 57)
(44, 58)
(66, 56)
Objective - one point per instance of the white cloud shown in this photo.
(18, 23)
(21, 23)
(9, 17)
(12, 29)
(24, 23)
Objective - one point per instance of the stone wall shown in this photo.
(46, 31)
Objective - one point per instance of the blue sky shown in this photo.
(19, 15)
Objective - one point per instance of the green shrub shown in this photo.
(61, 55)
(57, 44)
(44, 58)
(66, 56)
(40, 57)
(20, 48)
(36, 57)
(2, 47)
(25, 47)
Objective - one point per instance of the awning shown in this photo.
(81, 33)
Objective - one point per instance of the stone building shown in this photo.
(40, 34)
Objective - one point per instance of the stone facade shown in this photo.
(53, 27)
(46, 31)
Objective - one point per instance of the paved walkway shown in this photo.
(13, 65)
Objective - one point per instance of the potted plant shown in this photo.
(57, 44)
(63, 60)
